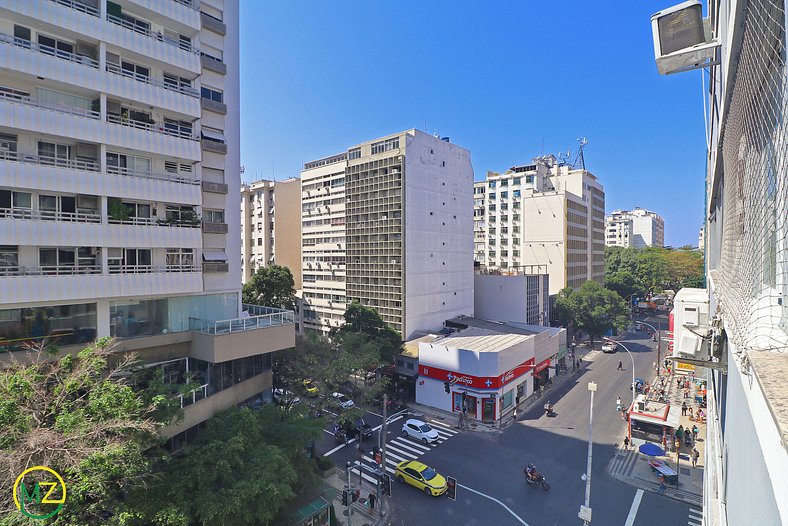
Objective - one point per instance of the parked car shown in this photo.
(343, 401)
(421, 476)
(283, 397)
(358, 427)
(609, 347)
(420, 431)
(310, 388)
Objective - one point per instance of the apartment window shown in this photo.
(175, 82)
(51, 153)
(51, 205)
(504, 183)
(491, 208)
(504, 195)
(354, 153)
(65, 324)
(9, 257)
(529, 179)
(213, 216)
(217, 18)
(384, 146)
(8, 145)
(212, 134)
(516, 193)
(17, 203)
(492, 231)
(54, 46)
(179, 128)
(179, 212)
(491, 184)
(516, 181)
(130, 69)
(212, 94)
(492, 197)
(118, 163)
(179, 257)
(21, 35)
(15, 94)
(259, 241)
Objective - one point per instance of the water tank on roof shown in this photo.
(446, 139)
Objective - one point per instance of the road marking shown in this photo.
(495, 500)
(404, 442)
(633, 511)
(444, 427)
(695, 517)
(398, 453)
(591, 355)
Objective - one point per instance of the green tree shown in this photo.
(79, 416)
(367, 323)
(685, 268)
(271, 286)
(625, 283)
(592, 309)
(653, 268)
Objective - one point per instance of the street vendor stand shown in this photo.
(651, 421)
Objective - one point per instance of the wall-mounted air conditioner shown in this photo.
(682, 39)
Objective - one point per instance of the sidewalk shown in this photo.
(361, 514)
(631, 466)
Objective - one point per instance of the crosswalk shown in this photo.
(591, 355)
(399, 449)
(623, 463)
(695, 517)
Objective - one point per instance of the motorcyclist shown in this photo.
(531, 473)
(548, 408)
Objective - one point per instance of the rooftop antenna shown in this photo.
(580, 161)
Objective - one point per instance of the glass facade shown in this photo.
(129, 319)
(59, 325)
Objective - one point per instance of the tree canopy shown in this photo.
(592, 308)
(651, 269)
(271, 286)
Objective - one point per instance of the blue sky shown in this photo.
(500, 78)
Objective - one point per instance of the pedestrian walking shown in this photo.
(678, 383)
(667, 363)
(680, 433)
(371, 499)
(684, 408)
(626, 442)
(618, 403)
(620, 366)
(662, 486)
(691, 415)
(694, 432)
(695, 456)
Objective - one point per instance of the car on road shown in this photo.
(357, 427)
(420, 431)
(343, 400)
(421, 476)
(283, 397)
(609, 347)
(310, 388)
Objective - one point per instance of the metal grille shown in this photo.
(752, 280)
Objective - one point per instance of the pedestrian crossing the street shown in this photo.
(695, 517)
(399, 449)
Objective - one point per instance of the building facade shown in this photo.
(388, 224)
(271, 226)
(119, 157)
(522, 296)
(638, 228)
(545, 214)
(747, 267)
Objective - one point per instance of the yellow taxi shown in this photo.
(421, 476)
(311, 388)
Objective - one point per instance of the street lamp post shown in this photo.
(633, 366)
(659, 342)
(585, 510)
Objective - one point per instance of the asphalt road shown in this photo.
(488, 466)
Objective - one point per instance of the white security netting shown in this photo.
(752, 280)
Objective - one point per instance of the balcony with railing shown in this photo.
(148, 32)
(151, 269)
(49, 215)
(48, 160)
(48, 270)
(48, 50)
(60, 108)
(151, 127)
(79, 6)
(194, 4)
(222, 340)
(147, 174)
(146, 79)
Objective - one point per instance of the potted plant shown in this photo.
(117, 211)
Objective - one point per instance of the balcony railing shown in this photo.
(151, 269)
(49, 215)
(49, 270)
(186, 90)
(79, 6)
(193, 396)
(151, 221)
(155, 128)
(273, 318)
(47, 50)
(118, 170)
(35, 103)
(194, 4)
(47, 160)
(156, 35)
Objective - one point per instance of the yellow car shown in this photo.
(311, 388)
(421, 476)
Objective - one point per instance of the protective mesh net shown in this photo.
(751, 280)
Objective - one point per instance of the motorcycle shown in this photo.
(537, 479)
(548, 410)
(340, 436)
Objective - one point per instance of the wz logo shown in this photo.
(48, 492)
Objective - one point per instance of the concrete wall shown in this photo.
(224, 347)
(544, 236)
(438, 229)
(500, 298)
(287, 226)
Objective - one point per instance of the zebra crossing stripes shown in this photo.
(695, 517)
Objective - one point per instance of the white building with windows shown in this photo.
(637, 228)
(119, 183)
(388, 224)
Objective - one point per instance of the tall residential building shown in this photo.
(271, 226)
(702, 238)
(119, 183)
(746, 448)
(388, 223)
(546, 213)
(638, 228)
(479, 224)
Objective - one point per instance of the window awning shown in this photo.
(214, 255)
(214, 135)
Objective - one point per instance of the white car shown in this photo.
(420, 431)
(343, 401)
(609, 347)
(283, 397)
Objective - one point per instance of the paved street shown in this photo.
(488, 466)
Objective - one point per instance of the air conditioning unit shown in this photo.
(682, 39)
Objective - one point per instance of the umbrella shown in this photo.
(651, 450)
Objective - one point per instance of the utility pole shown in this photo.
(382, 445)
(585, 511)
(350, 495)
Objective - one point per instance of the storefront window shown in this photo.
(507, 399)
(60, 325)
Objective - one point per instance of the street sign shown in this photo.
(451, 488)
(585, 513)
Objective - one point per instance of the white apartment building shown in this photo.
(119, 183)
(388, 223)
(271, 226)
(479, 224)
(522, 297)
(544, 214)
(638, 228)
(746, 448)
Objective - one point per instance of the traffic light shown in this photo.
(386, 484)
(451, 488)
(345, 497)
(446, 387)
